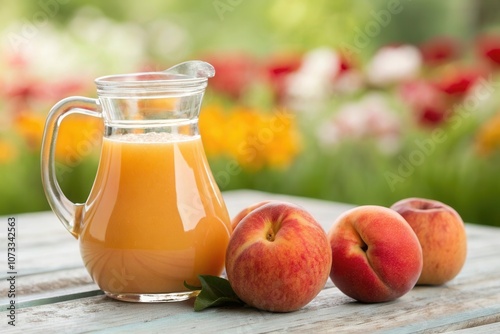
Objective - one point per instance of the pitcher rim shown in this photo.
(162, 77)
(147, 83)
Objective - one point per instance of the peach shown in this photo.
(442, 235)
(242, 214)
(376, 256)
(278, 258)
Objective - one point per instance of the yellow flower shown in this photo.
(30, 126)
(286, 143)
(488, 137)
(254, 138)
(78, 135)
(242, 144)
(212, 124)
(8, 152)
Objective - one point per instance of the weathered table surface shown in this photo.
(55, 294)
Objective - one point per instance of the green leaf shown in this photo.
(215, 291)
(191, 287)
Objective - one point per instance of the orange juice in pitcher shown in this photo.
(154, 218)
(153, 207)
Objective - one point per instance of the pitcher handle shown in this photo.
(69, 213)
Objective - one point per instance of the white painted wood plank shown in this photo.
(331, 310)
(55, 285)
(42, 245)
(493, 328)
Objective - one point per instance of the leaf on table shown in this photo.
(215, 291)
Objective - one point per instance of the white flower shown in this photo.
(90, 46)
(369, 118)
(112, 46)
(312, 82)
(349, 82)
(394, 64)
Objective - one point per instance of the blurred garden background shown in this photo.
(364, 102)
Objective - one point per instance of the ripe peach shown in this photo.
(242, 214)
(278, 259)
(441, 233)
(376, 256)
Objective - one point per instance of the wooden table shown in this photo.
(56, 295)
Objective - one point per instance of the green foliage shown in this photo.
(215, 291)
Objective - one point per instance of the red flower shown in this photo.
(489, 48)
(233, 73)
(17, 60)
(69, 86)
(23, 89)
(346, 64)
(33, 89)
(419, 93)
(439, 50)
(280, 65)
(428, 104)
(457, 81)
(431, 115)
(278, 68)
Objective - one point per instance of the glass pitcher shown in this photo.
(155, 217)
